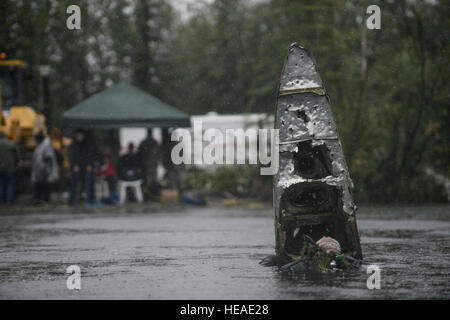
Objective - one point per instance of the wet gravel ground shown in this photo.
(212, 253)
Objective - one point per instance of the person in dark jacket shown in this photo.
(82, 157)
(149, 156)
(9, 157)
(173, 172)
(129, 165)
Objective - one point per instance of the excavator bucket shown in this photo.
(312, 189)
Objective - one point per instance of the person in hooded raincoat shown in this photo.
(44, 170)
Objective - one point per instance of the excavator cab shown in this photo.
(12, 84)
(19, 121)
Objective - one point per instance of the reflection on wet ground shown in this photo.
(213, 253)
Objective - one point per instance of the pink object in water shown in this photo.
(329, 244)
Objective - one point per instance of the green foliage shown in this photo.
(313, 257)
(237, 181)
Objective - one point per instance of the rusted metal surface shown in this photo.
(312, 189)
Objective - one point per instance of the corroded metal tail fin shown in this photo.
(312, 189)
(300, 73)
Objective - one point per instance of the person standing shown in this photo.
(149, 156)
(82, 156)
(9, 157)
(107, 171)
(44, 168)
(173, 172)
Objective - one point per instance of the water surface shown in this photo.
(212, 253)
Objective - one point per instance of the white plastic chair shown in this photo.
(135, 186)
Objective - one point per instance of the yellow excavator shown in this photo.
(21, 121)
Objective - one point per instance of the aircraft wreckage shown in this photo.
(312, 190)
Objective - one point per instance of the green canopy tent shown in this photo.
(123, 106)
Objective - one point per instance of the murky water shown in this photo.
(212, 253)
